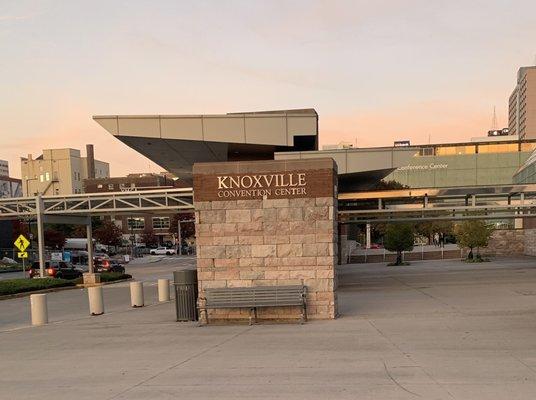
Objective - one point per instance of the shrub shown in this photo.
(113, 276)
(13, 286)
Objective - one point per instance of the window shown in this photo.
(99, 186)
(498, 148)
(41, 178)
(136, 223)
(111, 186)
(161, 222)
(454, 150)
(426, 151)
(47, 176)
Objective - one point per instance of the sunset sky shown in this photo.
(374, 71)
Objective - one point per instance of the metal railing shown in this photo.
(157, 201)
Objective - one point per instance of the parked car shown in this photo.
(113, 266)
(162, 251)
(56, 269)
(99, 259)
(103, 263)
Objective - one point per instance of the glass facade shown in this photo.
(466, 165)
(527, 172)
(498, 148)
(455, 150)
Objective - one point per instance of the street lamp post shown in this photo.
(27, 187)
(179, 232)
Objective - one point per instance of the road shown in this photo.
(72, 304)
(11, 275)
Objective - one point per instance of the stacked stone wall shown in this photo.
(506, 242)
(530, 242)
(272, 242)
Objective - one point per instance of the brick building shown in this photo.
(133, 226)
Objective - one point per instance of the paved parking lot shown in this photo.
(432, 330)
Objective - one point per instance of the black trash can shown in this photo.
(185, 283)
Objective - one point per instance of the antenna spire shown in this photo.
(494, 120)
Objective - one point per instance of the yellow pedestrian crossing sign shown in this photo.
(22, 254)
(21, 243)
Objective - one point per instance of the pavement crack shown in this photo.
(417, 289)
(396, 382)
(409, 358)
(192, 357)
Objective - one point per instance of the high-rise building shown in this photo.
(4, 168)
(60, 171)
(10, 187)
(522, 105)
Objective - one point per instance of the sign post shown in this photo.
(22, 244)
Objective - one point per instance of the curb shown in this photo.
(58, 289)
(83, 286)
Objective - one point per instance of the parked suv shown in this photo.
(162, 250)
(56, 269)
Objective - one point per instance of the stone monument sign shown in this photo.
(268, 223)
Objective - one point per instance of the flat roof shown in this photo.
(176, 142)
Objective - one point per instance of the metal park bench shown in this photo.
(255, 297)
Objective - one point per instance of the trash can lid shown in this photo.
(185, 276)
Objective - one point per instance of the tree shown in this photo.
(20, 228)
(108, 234)
(429, 228)
(399, 238)
(187, 228)
(80, 231)
(390, 185)
(473, 234)
(148, 237)
(54, 239)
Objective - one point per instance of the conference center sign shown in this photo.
(288, 184)
(273, 185)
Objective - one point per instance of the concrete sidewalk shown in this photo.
(457, 332)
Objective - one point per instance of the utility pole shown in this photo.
(179, 237)
(40, 235)
(89, 234)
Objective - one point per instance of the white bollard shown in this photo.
(96, 301)
(163, 290)
(136, 294)
(38, 306)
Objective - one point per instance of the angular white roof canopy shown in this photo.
(176, 142)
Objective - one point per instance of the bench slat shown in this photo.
(260, 296)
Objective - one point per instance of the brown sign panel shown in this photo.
(264, 185)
